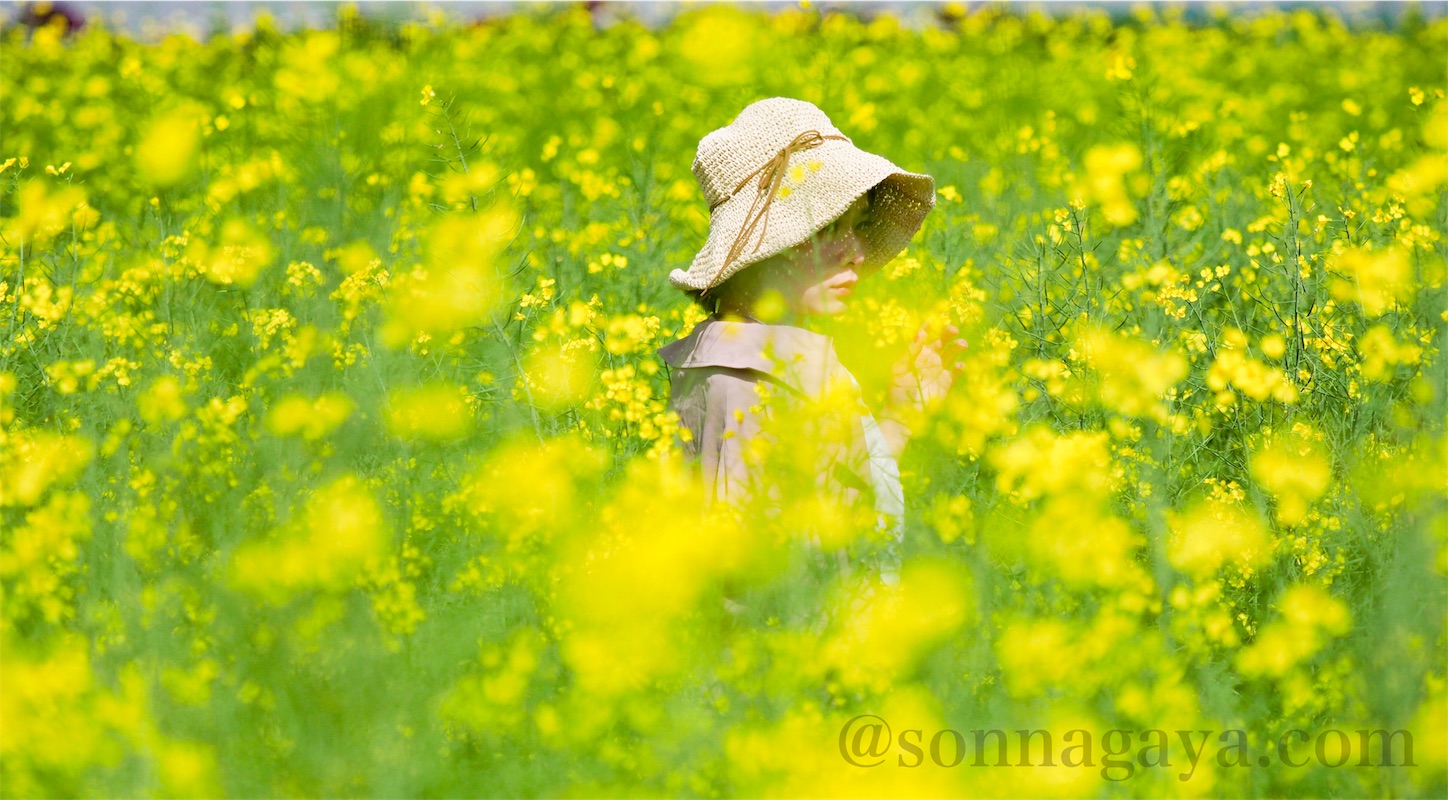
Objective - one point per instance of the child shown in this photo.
(798, 216)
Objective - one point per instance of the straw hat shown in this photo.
(779, 173)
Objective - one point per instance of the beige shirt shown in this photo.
(715, 372)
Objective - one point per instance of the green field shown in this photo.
(336, 459)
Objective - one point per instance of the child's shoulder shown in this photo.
(798, 359)
(716, 343)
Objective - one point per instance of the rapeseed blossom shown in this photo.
(1294, 468)
(170, 147)
(309, 418)
(1309, 614)
(1214, 533)
(435, 411)
(1375, 280)
(339, 531)
(336, 457)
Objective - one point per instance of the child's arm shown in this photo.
(897, 433)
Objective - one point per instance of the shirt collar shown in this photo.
(803, 360)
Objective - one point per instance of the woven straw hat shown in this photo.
(779, 173)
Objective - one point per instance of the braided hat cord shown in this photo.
(770, 175)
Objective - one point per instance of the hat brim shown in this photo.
(820, 196)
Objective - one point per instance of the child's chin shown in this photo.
(828, 307)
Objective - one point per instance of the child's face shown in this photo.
(822, 269)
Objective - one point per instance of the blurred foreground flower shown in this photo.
(45, 212)
(460, 283)
(1132, 375)
(338, 533)
(167, 152)
(435, 411)
(32, 462)
(1211, 534)
(1294, 468)
(307, 417)
(238, 258)
(1104, 183)
(885, 630)
(1381, 353)
(1374, 279)
(560, 375)
(1309, 616)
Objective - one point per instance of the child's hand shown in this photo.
(923, 376)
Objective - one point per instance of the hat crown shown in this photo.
(730, 154)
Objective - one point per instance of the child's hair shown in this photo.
(710, 304)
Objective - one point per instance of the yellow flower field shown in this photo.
(336, 459)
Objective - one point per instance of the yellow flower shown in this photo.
(1104, 182)
(459, 285)
(434, 411)
(1132, 375)
(889, 628)
(1259, 381)
(1381, 353)
(561, 375)
(339, 532)
(1045, 463)
(238, 258)
(1273, 345)
(169, 147)
(309, 418)
(162, 402)
(1376, 280)
(45, 214)
(1120, 67)
(1308, 616)
(1294, 468)
(32, 464)
(1211, 534)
